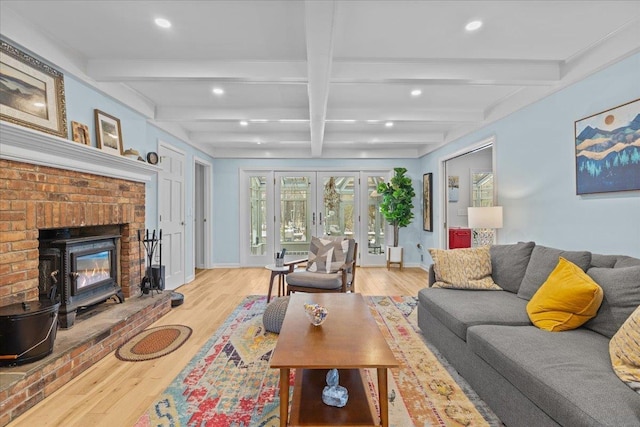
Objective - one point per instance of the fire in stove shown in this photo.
(92, 268)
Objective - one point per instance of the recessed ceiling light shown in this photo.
(218, 91)
(473, 25)
(259, 142)
(163, 23)
(416, 92)
(244, 123)
(388, 124)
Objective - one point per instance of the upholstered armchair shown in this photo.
(331, 267)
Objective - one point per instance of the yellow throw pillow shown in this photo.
(624, 349)
(566, 300)
(463, 269)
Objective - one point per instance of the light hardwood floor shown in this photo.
(115, 393)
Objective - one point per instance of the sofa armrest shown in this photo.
(432, 276)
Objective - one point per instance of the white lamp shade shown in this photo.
(487, 217)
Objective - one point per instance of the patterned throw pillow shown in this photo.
(327, 254)
(624, 349)
(463, 269)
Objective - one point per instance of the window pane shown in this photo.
(295, 196)
(258, 196)
(375, 219)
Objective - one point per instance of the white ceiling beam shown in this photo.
(434, 71)
(380, 137)
(330, 137)
(211, 137)
(319, 21)
(243, 71)
(264, 152)
(448, 71)
(407, 114)
(195, 114)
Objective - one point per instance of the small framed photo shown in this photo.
(80, 133)
(108, 133)
(32, 92)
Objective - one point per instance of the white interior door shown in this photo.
(171, 214)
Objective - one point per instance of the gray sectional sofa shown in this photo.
(528, 376)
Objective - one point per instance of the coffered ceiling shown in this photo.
(326, 78)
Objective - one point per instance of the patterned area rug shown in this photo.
(153, 343)
(229, 382)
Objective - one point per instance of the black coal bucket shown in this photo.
(27, 331)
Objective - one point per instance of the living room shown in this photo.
(532, 130)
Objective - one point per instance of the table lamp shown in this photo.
(484, 221)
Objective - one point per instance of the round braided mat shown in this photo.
(153, 343)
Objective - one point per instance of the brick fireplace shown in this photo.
(34, 198)
(47, 183)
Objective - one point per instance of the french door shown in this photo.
(288, 208)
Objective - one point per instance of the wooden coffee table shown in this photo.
(348, 340)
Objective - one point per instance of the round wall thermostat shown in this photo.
(152, 158)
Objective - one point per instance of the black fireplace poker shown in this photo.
(153, 279)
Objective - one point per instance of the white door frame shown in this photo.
(443, 193)
(206, 192)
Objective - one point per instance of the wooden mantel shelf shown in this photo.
(25, 145)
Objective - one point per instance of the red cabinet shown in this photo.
(459, 238)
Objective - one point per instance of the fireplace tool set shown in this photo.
(154, 277)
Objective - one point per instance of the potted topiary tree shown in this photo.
(396, 207)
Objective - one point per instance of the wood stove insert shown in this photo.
(80, 272)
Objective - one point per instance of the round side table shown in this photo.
(280, 272)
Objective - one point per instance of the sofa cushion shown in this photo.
(604, 261)
(621, 288)
(543, 261)
(459, 309)
(327, 254)
(624, 349)
(316, 280)
(627, 261)
(567, 375)
(509, 263)
(567, 299)
(468, 268)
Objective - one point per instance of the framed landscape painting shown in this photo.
(108, 133)
(427, 206)
(608, 150)
(31, 92)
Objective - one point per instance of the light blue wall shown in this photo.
(226, 211)
(139, 134)
(535, 170)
